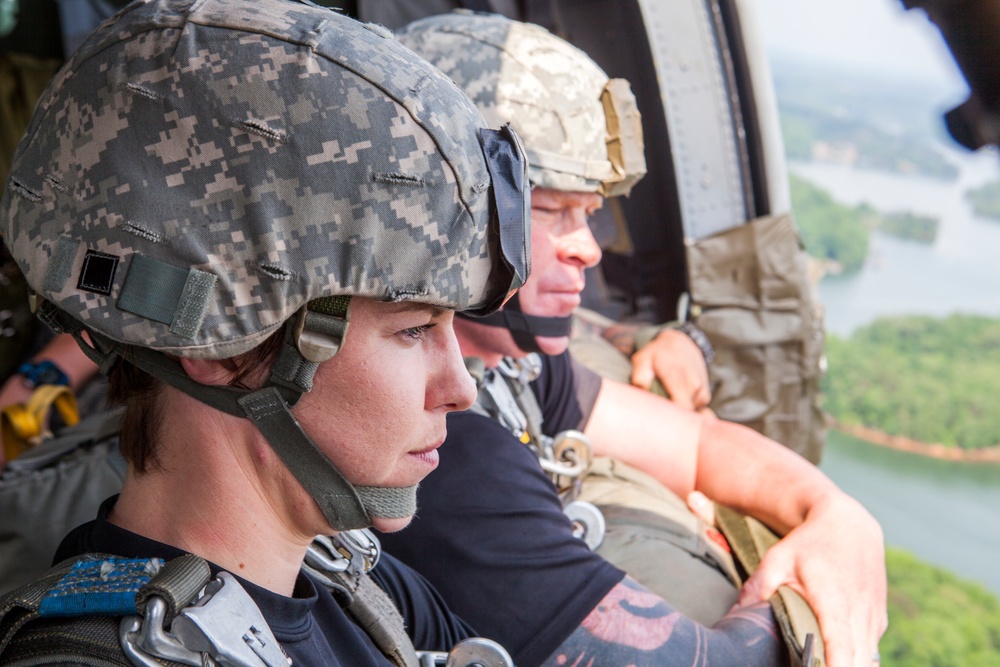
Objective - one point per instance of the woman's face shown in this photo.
(377, 409)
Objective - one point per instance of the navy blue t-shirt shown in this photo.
(311, 626)
(490, 533)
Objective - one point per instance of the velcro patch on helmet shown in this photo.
(98, 272)
(166, 293)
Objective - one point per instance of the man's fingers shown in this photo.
(702, 397)
(702, 507)
(679, 395)
(642, 373)
(774, 571)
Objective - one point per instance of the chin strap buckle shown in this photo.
(223, 626)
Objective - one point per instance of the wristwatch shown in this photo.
(37, 373)
(700, 339)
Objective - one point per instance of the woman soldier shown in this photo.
(258, 218)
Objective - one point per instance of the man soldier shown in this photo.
(258, 219)
(491, 534)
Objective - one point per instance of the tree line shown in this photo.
(934, 380)
(838, 233)
(937, 619)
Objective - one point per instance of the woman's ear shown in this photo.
(208, 371)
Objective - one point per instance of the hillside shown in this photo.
(929, 379)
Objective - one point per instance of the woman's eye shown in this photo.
(416, 333)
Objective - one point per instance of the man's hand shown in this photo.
(674, 359)
(836, 561)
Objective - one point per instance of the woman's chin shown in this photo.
(385, 525)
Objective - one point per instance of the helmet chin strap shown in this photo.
(345, 505)
(523, 327)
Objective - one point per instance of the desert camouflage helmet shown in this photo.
(581, 131)
(193, 177)
(200, 174)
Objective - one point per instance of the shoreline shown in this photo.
(904, 444)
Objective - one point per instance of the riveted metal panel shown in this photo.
(705, 131)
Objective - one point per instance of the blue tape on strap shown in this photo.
(100, 587)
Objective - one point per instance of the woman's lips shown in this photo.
(429, 455)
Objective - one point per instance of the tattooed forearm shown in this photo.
(632, 626)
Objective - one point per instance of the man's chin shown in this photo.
(552, 345)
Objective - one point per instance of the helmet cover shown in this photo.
(198, 172)
(582, 132)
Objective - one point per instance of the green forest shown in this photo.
(876, 149)
(930, 379)
(985, 200)
(832, 231)
(829, 229)
(923, 228)
(937, 619)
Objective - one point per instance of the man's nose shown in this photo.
(580, 248)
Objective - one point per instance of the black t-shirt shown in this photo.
(311, 626)
(566, 391)
(490, 533)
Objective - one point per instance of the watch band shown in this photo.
(700, 339)
(645, 335)
(37, 373)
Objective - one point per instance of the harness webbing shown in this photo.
(749, 540)
(505, 395)
(82, 640)
(362, 598)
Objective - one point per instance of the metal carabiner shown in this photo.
(472, 652)
(222, 627)
(353, 551)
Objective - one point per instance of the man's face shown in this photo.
(562, 246)
(377, 409)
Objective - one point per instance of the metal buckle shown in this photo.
(509, 412)
(352, 551)
(588, 522)
(472, 652)
(567, 455)
(807, 650)
(222, 627)
(524, 370)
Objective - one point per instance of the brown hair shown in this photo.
(139, 392)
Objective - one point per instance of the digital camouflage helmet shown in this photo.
(200, 174)
(581, 130)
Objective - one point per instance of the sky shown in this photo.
(877, 35)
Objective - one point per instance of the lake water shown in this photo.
(960, 272)
(947, 513)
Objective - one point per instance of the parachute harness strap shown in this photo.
(342, 562)
(210, 621)
(505, 395)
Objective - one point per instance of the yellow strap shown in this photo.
(23, 425)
